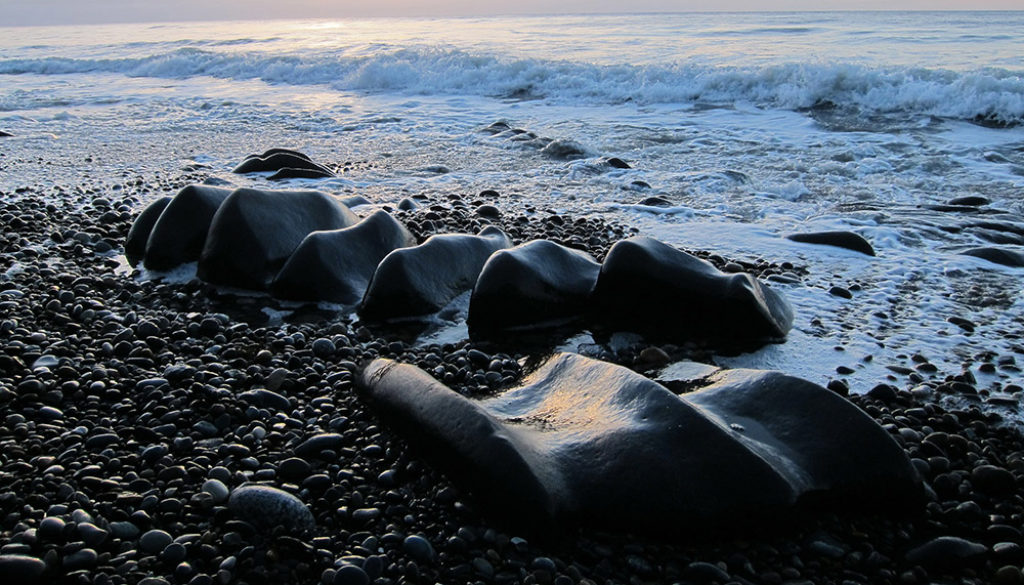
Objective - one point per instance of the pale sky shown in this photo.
(44, 12)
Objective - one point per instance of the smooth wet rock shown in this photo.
(315, 445)
(254, 232)
(411, 282)
(218, 491)
(268, 507)
(277, 159)
(337, 265)
(21, 569)
(585, 442)
(179, 234)
(839, 239)
(648, 287)
(419, 548)
(1003, 256)
(155, 540)
(535, 284)
(142, 227)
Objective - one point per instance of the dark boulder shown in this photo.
(412, 282)
(142, 227)
(277, 159)
(839, 239)
(588, 442)
(254, 232)
(534, 284)
(5, 134)
(179, 234)
(337, 265)
(649, 287)
(1003, 256)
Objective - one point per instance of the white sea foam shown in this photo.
(996, 95)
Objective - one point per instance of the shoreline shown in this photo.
(138, 407)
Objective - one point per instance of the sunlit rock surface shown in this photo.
(588, 442)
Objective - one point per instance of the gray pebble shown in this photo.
(217, 490)
(82, 559)
(268, 507)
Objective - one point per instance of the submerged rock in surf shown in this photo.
(293, 173)
(142, 227)
(412, 282)
(1003, 256)
(649, 287)
(587, 442)
(337, 265)
(179, 234)
(838, 239)
(535, 284)
(254, 232)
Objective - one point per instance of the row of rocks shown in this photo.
(305, 245)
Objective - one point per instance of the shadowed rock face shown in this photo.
(412, 282)
(138, 236)
(649, 287)
(839, 239)
(337, 265)
(254, 232)
(179, 234)
(587, 442)
(534, 284)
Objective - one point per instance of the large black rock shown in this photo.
(142, 227)
(412, 282)
(536, 284)
(649, 287)
(337, 265)
(839, 239)
(254, 232)
(179, 234)
(591, 443)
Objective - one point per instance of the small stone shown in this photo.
(82, 559)
(268, 508)
(51, 528)
(351, 575)
(155, 540)
(992, 480)
(702, 572)
(838, 291)
(945, 551)
(217, 490)
(91, 534)
(419, 549)
(1008, 575)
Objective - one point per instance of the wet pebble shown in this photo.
(418, 548)
(155, 540)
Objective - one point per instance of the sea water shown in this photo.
(752, 126)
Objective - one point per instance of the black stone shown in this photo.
(585, 442)
(278, 159)
(254, 232)
(1004, 256)
(839, 239)
(292, 173)
(535, 284)
(179, 234)
(142, 227)
(337, 265)
(412, 282)
(649, 287)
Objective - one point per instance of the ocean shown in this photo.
(747, 126)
